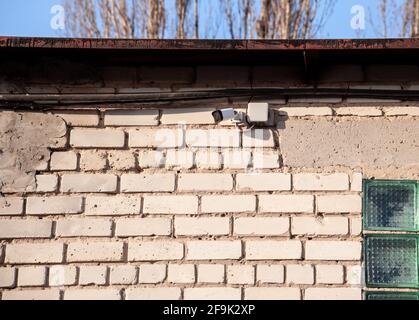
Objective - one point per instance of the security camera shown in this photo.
(224, 114)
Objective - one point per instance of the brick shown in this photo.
(117, 76)
(205, 182)
(219, 75)
(300, 274)
(358, 111)
(211, 273)
(210, 160)
(46, 183)
(240, 274)
(258, 138)
(213, 250)
(61, 275)
(261, 293)
(88, 183)
(34, 253)
(286, 203)
(339, 204)
(170, 204)
(95, 251)
(187, 116)
(54, 205)
(92, 160)
(148, 182)
(152, 294)
(371, 101)
(356, 182)
(114, 205)
(224, 138)
(236, 159)
(131, 117)
(143, 227)
(272, 273)
(14, 229)
(319, 226)
(395, 73)
(263, 159)
(356, 226)
(305, 111)
(375, 86)
(223, 204)
(320, 182)
(121, 160)
(181, 273)
(31, 276)
(152, 273)
(92, 275)
(263, 181)
(156, 138)
(84, 227)
(79, 118)
(183, 159)
(167, 74)
(63, 161)
(155, 251)
(325, 100)
(333, 294)
(329, 274)
(338, 73)
(273, 250)
(402, 111)
(355, 275)
(202, 226)
(125, 274)
(151, 159)
(37, 294)
(97, 138)
(92, 294)
(11, 206)
(333, 250)
(7, 277)
(209, 293)
(274, 226)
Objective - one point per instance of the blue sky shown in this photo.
(32, 18)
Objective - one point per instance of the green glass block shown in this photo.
(391, 261)
(391, 205)
(392, 296)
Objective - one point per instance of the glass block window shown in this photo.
(391, 205)
(392, 258)
(392, 296)
(392, 261)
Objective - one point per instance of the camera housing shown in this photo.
(224, 114)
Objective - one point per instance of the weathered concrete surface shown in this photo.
(371, 144)
(25, 139)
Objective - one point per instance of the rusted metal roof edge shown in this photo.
(143, 44)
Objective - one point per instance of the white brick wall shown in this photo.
(263, 182)
(170, 204)
(155, 250)
(267, 226)
(213, 250)
(88, 183)
(201, 226)
(274, 250)
(129, 209)
(205, 182)
(147, 182)
(220, 204)
(95, 251)
(97, 138)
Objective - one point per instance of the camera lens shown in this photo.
(218, 116)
